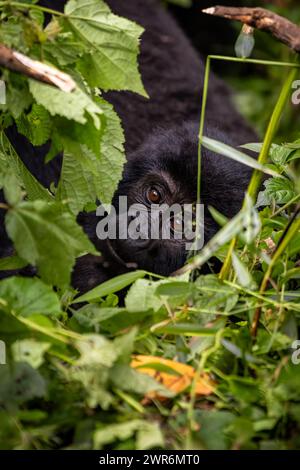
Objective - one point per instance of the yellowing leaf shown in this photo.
(175, 376)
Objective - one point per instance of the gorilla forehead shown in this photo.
(172, 153)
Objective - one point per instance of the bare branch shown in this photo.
(265, 20)
(18, 62)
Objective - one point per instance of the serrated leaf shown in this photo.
(279, 190)
(36, 126)
(112, 154)
(72, 105)
(18, 97)
(48, 237)
(90, 172)
(32, 187)
(76, 184)
(113, 42)
(63, 50)
(25, 296)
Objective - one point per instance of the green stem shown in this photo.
(201, 128)
(271, 131)
(281, 209)
(291, 230)
(255, 61)
(256, 178)
(28, 6)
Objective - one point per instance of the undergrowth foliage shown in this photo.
(70, 379)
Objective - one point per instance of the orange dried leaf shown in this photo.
(178, 381)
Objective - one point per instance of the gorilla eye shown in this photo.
(153, 195)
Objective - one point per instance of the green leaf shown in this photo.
(246, 224)
(20, 384)
(96, 349)
(187, 329)
(112, 159)
(63, 50)
(89, 173)
(36, 125)
(12, 262)
(147, 434)
(32, 187)
(243, 275)
(109, 287)
(230, 152)
(48, 237)
(142, 297)
(76, 185)
(176, 288)
(31, 351)
(281, 190)
(113, 44)
(25, 296)
(72, 105)
(18, 97)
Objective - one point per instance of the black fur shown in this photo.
(161, 137)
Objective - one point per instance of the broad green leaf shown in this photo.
(113, 43)
(76, 185)
(72, 105)
(88, 172)
(213, 428)
(109, 287)
(142, 297)
(211, 294)
(279, 190)
(112, 157)
(25, 296)
(48, 237)
(63, 49)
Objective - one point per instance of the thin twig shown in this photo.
(18, 62)
(260, 18)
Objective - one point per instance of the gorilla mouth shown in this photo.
(116, 257)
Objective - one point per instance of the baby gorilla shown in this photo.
(161, 147)
(164, 171)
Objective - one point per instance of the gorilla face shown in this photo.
(164, 171)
